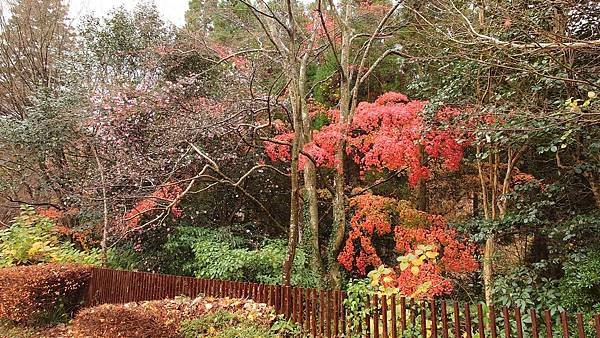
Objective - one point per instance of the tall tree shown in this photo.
(34, 38)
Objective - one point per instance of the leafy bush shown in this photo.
(36, 293)
(223, 324)
(526, 287)
(356, 293)
(33, 239)
(226, 324)
(206, 253)
(580, 287)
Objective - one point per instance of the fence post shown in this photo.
(394, 318)
(468, 323)
(456, 320)
(506, 317)
(548, 322)
(336, 312)
(493, 331)
(433, 319)
(444, 319)
(328, 313)
(519, 323)
(424, 319)
(313, 312)
(480, 324)
(384, 317)
(564, 320)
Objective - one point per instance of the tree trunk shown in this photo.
(294, 215)
(421, 196)
(339, 178)
(339, 221)
(310, 174)
(294, 184)
(488, 270)
(594, 182)
(310, 185)
(103, 241)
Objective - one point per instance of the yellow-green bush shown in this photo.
(33, 239)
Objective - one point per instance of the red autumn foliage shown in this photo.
(51, 213)
(28, 292)
(378, 216)
(61, 219)
(168, 194)
(388, 134)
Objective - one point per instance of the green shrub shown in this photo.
(526, 287)
(33, 239)
(206, 253)
(225, 324)
(580, 287)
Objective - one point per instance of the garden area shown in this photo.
(279, 169)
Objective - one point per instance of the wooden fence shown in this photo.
(323, 313)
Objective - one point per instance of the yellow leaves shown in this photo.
(38, 247)
(421, 255)
(421, 289)
(575, 105)
(375, 275)
(379, 278)
(9, 252)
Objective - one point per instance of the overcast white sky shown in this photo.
(172, 10)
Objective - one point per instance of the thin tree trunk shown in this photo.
(310, 183)
(421, 196)
(294, 212)
(294, 175)
(339, 223)
(310, 171)
(103, 241)
(594, 182)
(339, 178)
(488, 271)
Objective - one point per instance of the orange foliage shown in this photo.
(428, 248)
(27, 292)
(168, 194)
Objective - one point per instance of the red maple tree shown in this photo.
(386, 134)
(394, 133)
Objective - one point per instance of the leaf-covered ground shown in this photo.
(128, 320)
(57, 331)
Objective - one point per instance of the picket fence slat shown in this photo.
(444, 319)
(323, 314)
(394, 318)
(480, 323)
